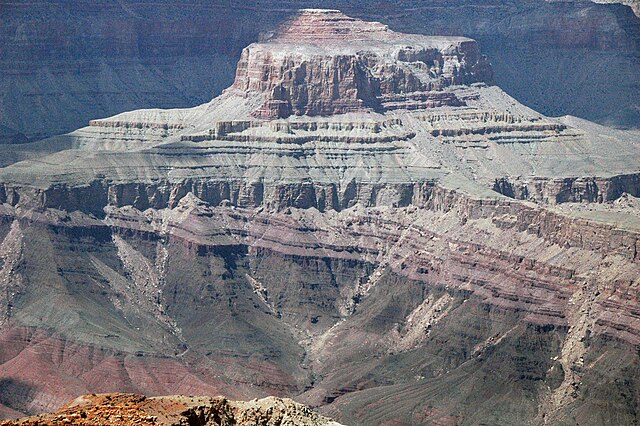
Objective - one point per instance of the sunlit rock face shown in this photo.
(363, 214)
(323, 63)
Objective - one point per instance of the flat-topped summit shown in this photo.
(322, 62)
(319, 25)
(330, 30)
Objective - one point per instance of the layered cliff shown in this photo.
(248, 302)
(363, 220)
(323, 63)
(63, 63)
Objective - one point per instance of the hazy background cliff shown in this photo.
(63, 63)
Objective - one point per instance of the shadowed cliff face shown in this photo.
(65, 63)
(404, 260)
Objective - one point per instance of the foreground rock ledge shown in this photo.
(126, 409)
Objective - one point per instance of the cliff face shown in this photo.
(374, 68)
(633, 4)
(352, 220)
(249, 302)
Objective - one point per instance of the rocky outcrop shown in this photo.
(570, 190)
(324, 63)
(172, 410)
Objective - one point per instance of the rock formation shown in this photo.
(633, 4)
(128, 409)
(66, 62)
(346, 65)
(367, 224)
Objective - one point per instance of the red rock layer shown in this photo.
(520, 282)
(323, 25)
(311, 66)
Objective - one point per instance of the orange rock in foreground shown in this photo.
(132, 409)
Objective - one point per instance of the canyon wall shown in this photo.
(401, 298)
(364, 221)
